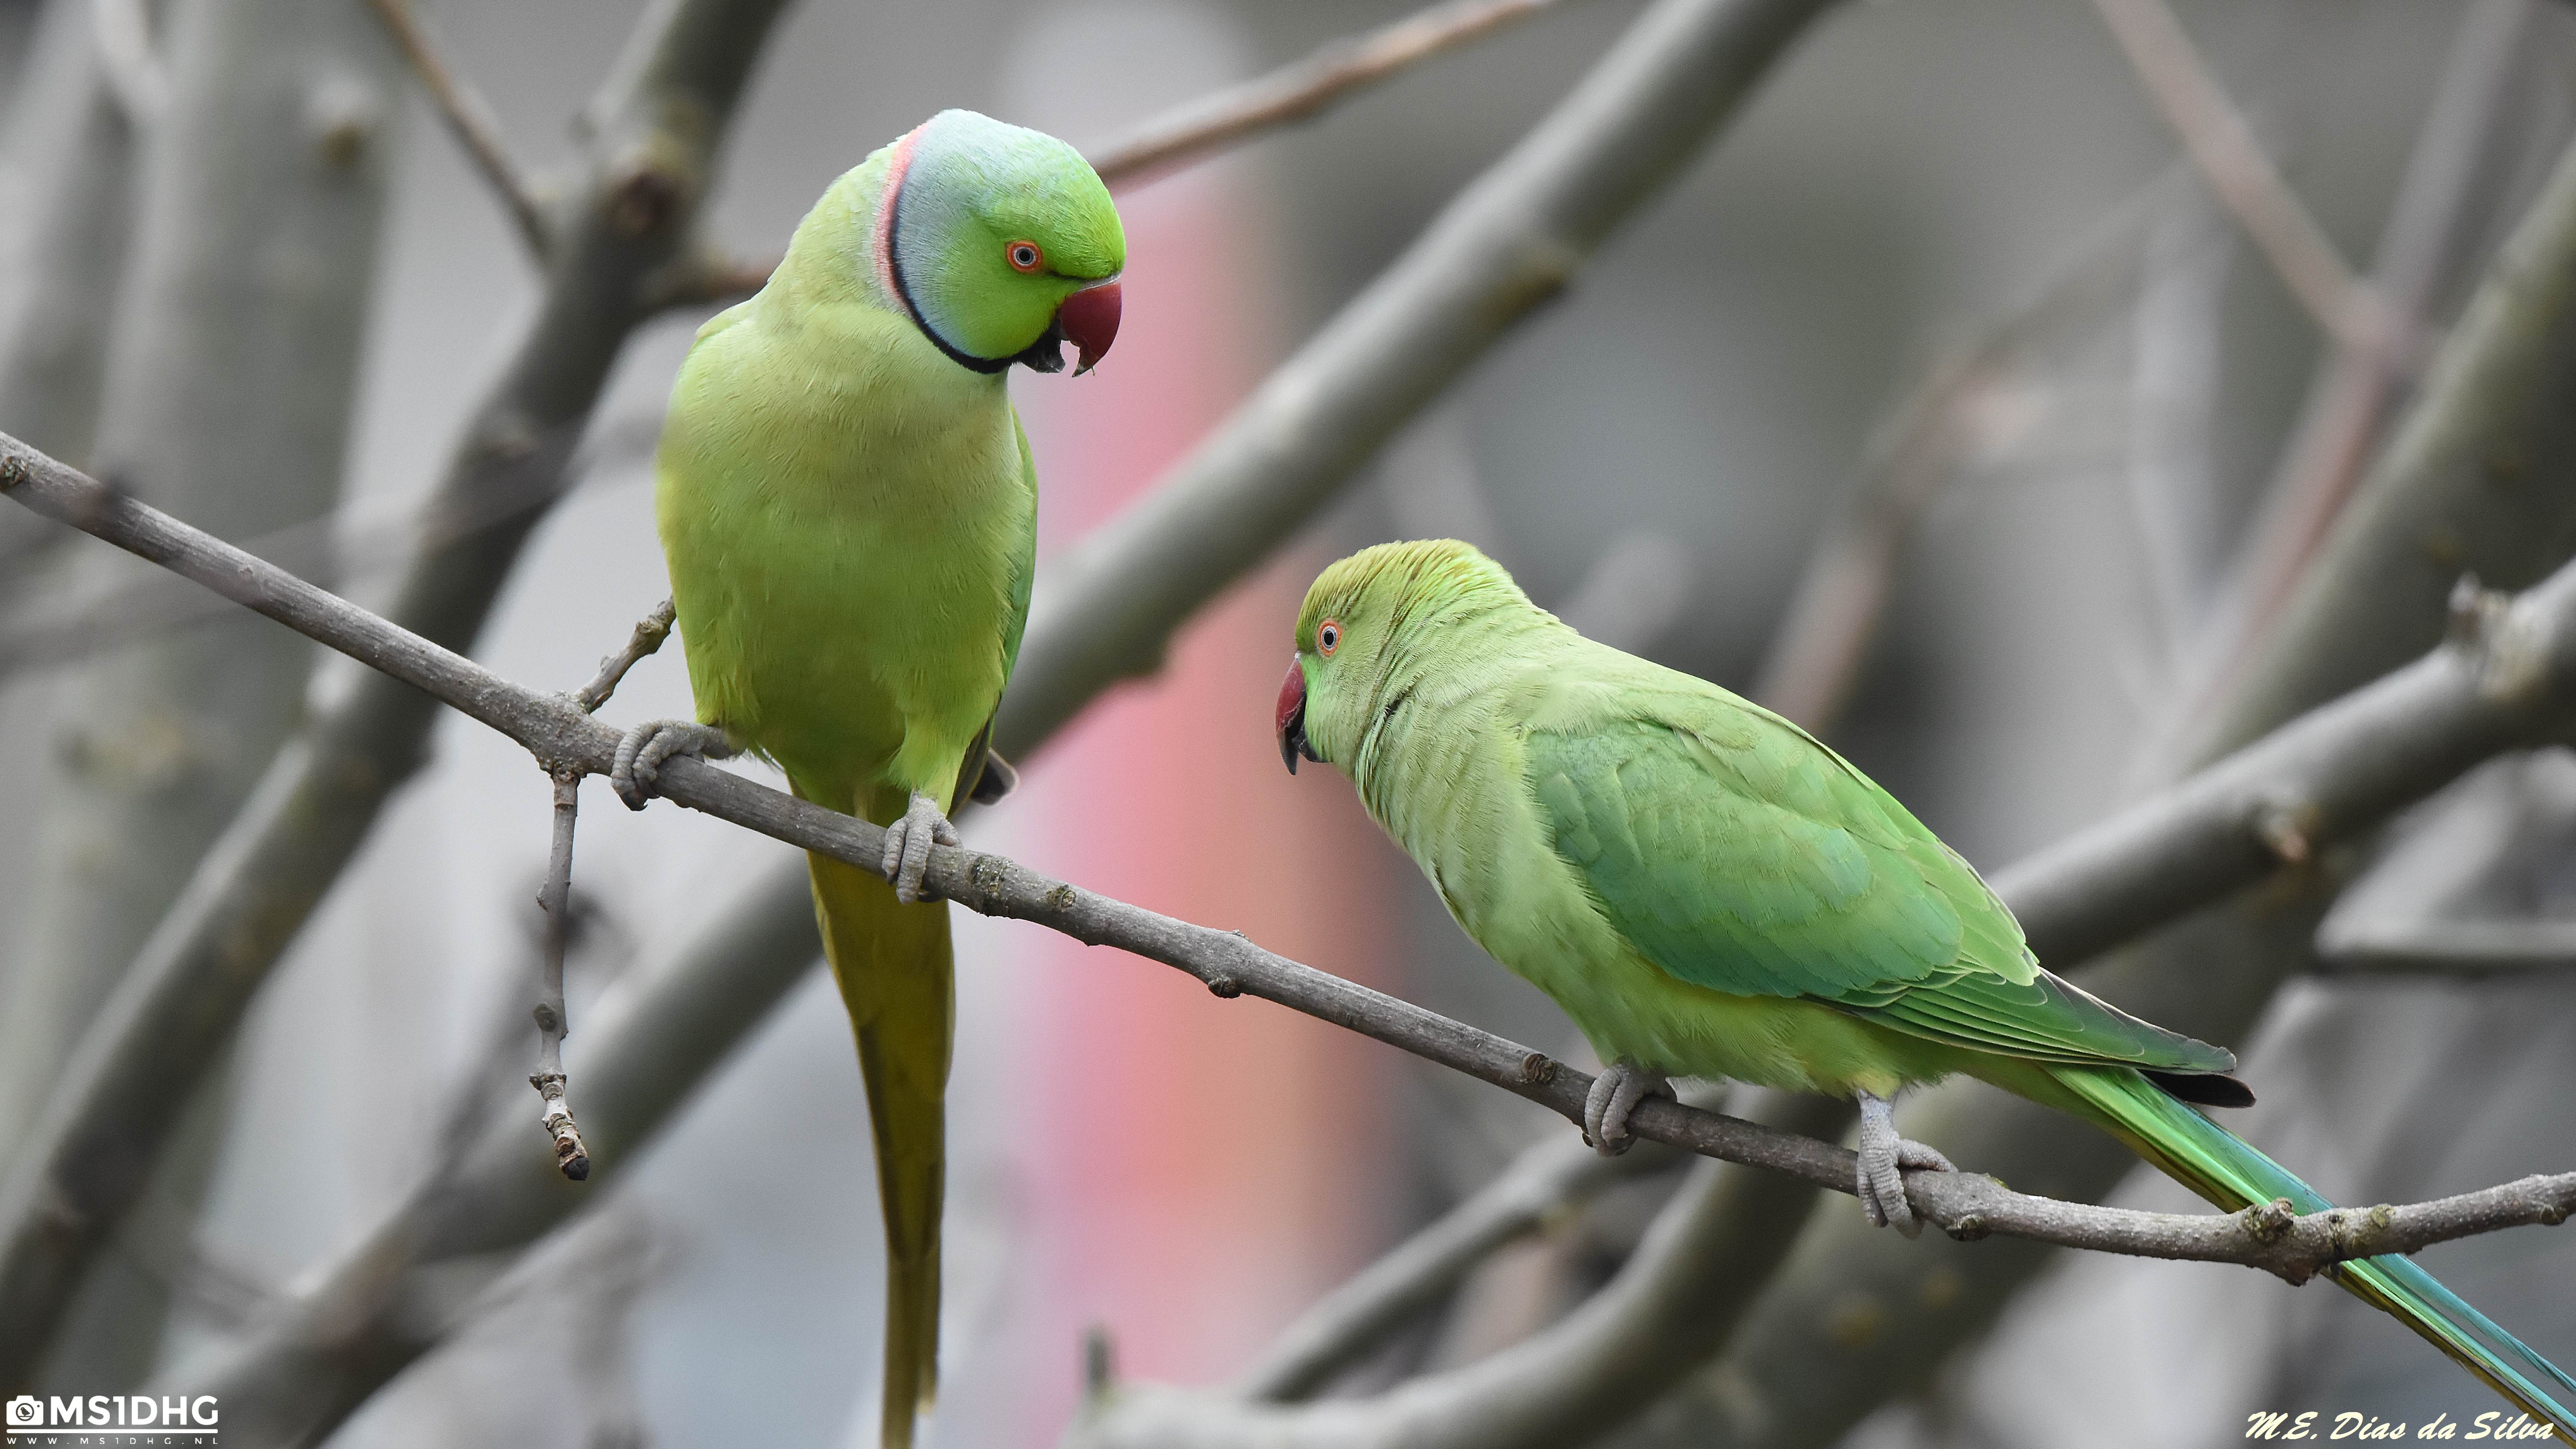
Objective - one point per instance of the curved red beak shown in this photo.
(1089, 319)
(1290, 721)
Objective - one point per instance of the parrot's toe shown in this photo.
(640, 754)
(907, 846)
(1615, 1093)
(1884, 1156)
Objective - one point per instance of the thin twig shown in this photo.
(2222, 145)
(553, 1024)
(649, 633)
(1297, 91)
(1196, 129)
(2518, 682)
(470, 120)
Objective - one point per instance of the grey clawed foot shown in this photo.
(640, 755)
(908, 842)
(1884, 1156)
(1615, 1093)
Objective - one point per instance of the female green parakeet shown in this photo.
(849, 511)
(1709, 892)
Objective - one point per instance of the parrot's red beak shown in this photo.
(1089, 320)
(1290, 722)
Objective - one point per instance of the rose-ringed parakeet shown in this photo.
(1709, 892)
(849, 509)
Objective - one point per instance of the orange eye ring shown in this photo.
(1328, 636)
(1025, 256)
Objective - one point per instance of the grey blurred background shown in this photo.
(1655, 457)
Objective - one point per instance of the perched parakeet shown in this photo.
(849, 510)
(1709, 892)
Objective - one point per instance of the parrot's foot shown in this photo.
(1615, 1093)
(1883, 1158)
(641, 753)
(908, 842)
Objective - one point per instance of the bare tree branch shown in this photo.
(572, 1158)
(2428, 225)
(1298, 91)
(2512, 681)
(2222, 145)
(1549, 1179)
(649, 634)
(2451, 948)
(470, 120)
(651, 163)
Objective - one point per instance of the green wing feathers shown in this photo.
(1736, 852)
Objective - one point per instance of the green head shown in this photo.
(1000, 242)
(1361, 638)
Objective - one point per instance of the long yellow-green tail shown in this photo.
(2209, 1160)
(898, 978)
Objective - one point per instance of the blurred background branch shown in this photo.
(469, 119)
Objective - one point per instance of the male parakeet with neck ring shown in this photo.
(849, 510)
(1709, 892)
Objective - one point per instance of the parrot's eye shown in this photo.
(1024, 256)
(1327, 635)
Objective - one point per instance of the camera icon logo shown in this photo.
(26, 1409)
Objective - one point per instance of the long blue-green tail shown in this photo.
(2206, 1158)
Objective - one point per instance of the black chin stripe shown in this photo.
(903, 291)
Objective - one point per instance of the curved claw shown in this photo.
(640, 755)
(1884, 1156)
(1615, 1093)
(908, 842)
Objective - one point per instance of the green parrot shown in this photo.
(849, 509)
(1709, 892)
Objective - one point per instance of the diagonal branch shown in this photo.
(2222, 145)
(1305, 88)
(469, 119)
(1547, 1181)
(2512, 683)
